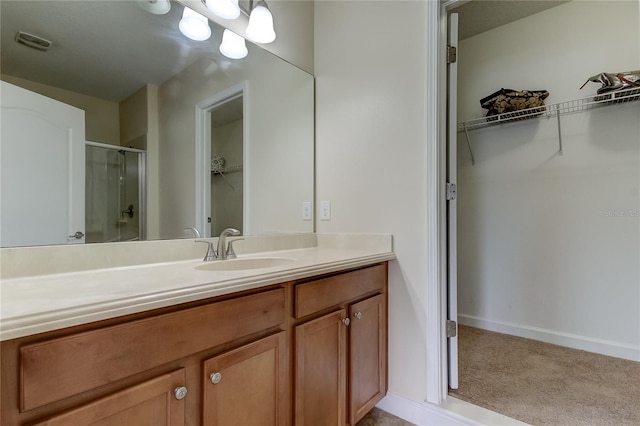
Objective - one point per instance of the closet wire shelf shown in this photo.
(548, 111)
(230, 169)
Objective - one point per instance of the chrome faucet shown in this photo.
(224, 251)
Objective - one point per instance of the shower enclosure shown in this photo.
(115, 193)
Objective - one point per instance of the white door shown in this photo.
(42, 170)
(452, 255)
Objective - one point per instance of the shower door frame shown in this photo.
(142, 182)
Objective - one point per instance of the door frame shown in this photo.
(436, 166)
(203, 154)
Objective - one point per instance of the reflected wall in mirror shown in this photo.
(141, 85)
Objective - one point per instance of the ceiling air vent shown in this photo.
(33, 41)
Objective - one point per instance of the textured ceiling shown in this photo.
(478, 16)
(109, 49)
(106, 49)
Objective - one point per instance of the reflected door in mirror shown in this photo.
(42, 153)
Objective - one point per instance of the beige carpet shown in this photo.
(544, 384)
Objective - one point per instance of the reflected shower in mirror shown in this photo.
(141, 85)
(114, 190)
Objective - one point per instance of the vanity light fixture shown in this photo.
(233, 46)
(194, 25)
(260, 28)
(225, 9)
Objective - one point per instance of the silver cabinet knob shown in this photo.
(358, 315)
(346, 321)
(180, 392)
(215, 378)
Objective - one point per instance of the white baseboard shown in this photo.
(421, 414)
(603, 347)
(452, 412)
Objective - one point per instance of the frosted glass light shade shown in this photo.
(233, 46)
(260, 28)
(194, 25)
(226, 9)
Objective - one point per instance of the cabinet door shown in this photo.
(151, 403)
(368, 356)
(247, 386)
(320, 371)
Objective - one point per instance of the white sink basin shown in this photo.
(244, 264)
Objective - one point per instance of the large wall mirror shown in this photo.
(162, 137)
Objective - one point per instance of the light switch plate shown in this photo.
(325, 210)
(306, 210)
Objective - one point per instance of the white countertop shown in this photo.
(35, 304)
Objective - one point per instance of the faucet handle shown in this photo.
(230, 253)
(211, 251)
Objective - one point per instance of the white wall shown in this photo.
(549, 245)
(153, 166)
(279, 162)
(134, 119)
(370, 153)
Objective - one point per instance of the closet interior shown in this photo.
(548, 201)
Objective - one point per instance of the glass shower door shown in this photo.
(114, 191)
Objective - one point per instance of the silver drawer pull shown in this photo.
(215, 378)
(358, 315)
(346, 321)
(180, 392)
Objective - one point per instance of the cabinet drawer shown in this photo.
(325, 293)
(59, 368)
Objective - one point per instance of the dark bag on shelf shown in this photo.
(615, 81)
(509, 100)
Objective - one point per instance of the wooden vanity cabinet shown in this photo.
(340, 369)
(136, 372)
(308, 352)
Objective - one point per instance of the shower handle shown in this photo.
(129, 211)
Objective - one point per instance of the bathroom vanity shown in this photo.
(300, 343)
